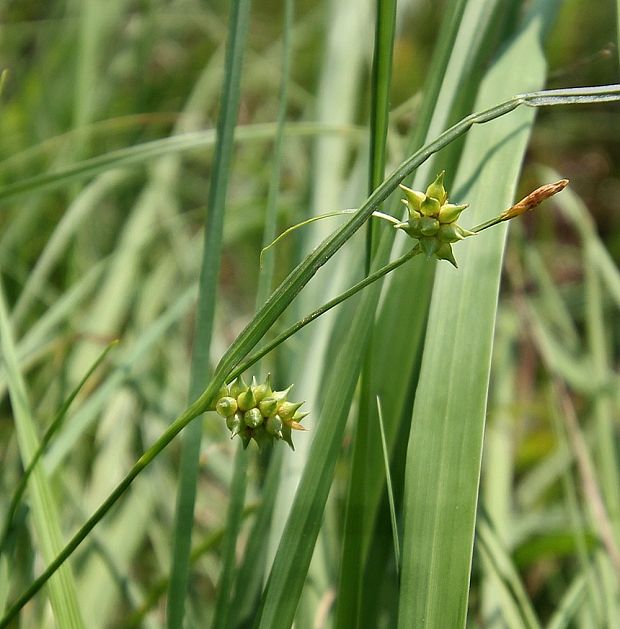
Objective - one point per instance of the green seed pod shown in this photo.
(274, 426)
(413, 227)
(429, 246)
(246, 400)
(246, 437)
(262, 391)
(287, 435)
(286, 410)
(449, 233)
(281, 395)
(253, 418)
(268, 406)
(436, 189)
(450, 212)
(429, 226)
(226, 406)
(414, 198)
(430, 207)
(237, 387)
(411, 212)
(234, 423)
(298, 417)
(453, 233)
(445, 253)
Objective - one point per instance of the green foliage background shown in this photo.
(498, 381)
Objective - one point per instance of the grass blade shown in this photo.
(505, 571)
(46, 521)
(352, 572)
(148, 151)
(209, 275)
(444, 454)
(52, 429)
(388, 479)
(249, 577)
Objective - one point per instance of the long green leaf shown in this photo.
(52, 429)
(46, 520)
(398, 338)
(352, 572)
(142, 153)
(445, 445)
(200, 367)
(249, 577)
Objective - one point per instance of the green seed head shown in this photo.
(432, 220)
(258, 413)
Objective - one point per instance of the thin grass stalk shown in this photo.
(502, 565)
(594, 608)
(352, 563)
(209, 275)
(145, 152)
(287, 291)
(381, 79)
(249, 577)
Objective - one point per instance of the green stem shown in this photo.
(373, 277)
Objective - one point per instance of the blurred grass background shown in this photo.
(116, 253)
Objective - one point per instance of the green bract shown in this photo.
(257, 412)
(432, 220)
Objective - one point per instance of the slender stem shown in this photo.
(373, 277)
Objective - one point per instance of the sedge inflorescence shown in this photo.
(258, 412)
(432, 220)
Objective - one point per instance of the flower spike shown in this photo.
(432, 220)
(257, 412)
